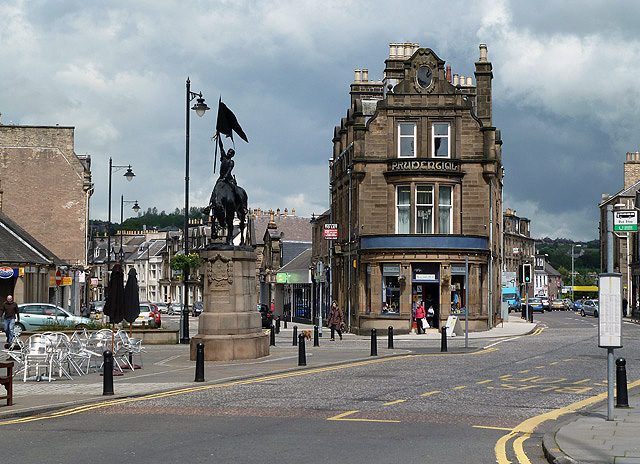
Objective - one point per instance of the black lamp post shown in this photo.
(200, 108)
(135, 208)
(129, 175)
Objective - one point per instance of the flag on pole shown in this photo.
(227, 123)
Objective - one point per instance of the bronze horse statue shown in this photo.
(227, 200)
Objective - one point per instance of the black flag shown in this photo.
(227, 122)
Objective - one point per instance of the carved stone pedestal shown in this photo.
(230, 325)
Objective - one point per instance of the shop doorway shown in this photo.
(6, 288)
(429, 294)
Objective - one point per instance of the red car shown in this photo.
(149, 313)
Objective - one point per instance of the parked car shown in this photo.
(197, 308)
(266, 314)
(589, 307)
(35, 315)
(545, 303)
(162, 307)
(557, 304)
(577, 305)
(568, 304)
(535, 304)
(175, 308)
(149, 315)
(96, 307)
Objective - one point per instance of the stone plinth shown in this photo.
(230, 325)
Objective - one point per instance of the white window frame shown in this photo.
(400, 137)
(431, 205)
(408, 206)
(433, 139)
(450, 206)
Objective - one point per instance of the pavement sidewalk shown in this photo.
(167, 367)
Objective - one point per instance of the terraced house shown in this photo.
(416, 181)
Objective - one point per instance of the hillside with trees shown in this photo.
(586, 259)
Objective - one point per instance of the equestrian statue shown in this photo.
(227, 200)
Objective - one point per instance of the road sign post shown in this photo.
(625, 220)
(610, 325)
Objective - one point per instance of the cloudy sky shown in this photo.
(565, 90)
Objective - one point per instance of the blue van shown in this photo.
(512, 296)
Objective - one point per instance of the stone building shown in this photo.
(518, 248)
(416, 178)
(626, 259)
(45, 187)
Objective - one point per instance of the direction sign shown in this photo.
(58, 278)
(330, 231)
(625, 220)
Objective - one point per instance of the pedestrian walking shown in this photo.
(335, 321)
(421, 318)
(9, 309)
(625, 303)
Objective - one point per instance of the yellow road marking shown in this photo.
(524, 371)
(580, 381)
(517, 447)
(340, 417)
(569, 359)
(431, 393)
(528, 426)
(485, 381)
(489, 427)
(554, 363)
(460, 388)
(540, 367)
(393, 402)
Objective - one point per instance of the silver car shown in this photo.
(590, 308)
(36, 315)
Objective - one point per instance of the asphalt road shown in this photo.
(427, 407)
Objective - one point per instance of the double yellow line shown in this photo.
(524, 430)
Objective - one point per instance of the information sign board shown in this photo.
(625, 220)
(610, 310)
(330, 231)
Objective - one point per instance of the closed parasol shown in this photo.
(131, 298)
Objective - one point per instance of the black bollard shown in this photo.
(443, 340)
(390, 338)
(107, 373)
(285, 321)
(199, 362)
(302, 358)
(316, 339)
(272, 341)
(278, 324)
(530, 315)
(295, 335)
(622, 398)
(374, 343)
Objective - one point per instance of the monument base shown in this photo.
(229, 347)
(230, 324)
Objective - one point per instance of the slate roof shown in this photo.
(299, 263)
(294, 228)
(290, 250)
(18, 247)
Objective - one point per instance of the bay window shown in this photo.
(403, 209)
(444, 210)
(424, 209)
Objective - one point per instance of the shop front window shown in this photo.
(391, 289)
(368, 289)
(458, 288)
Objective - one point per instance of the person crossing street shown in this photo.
(335, 321)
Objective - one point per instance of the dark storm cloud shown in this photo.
(564, 90)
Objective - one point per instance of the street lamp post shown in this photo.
(200, 108)
(136, 208)
(572, 271)
(129, 176)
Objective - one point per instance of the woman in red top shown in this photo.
(420, 317)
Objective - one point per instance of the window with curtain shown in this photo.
(441, 139)
(444, 210)
(424, 209)
(403, 209)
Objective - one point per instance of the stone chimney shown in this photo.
(293, 212)
(631, 169)
(484, 76)
(278, 212)
(272, 221)
(286, 213)
(449, 74)
(358, 76)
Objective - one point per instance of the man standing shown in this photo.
(9, 310)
